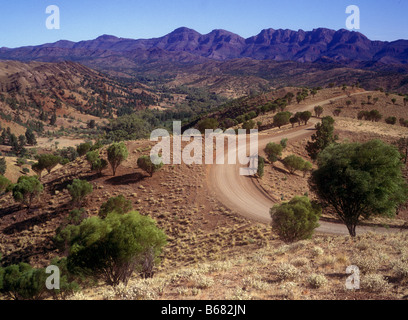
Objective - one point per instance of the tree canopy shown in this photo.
(360, 180)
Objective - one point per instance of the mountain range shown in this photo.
(185, 45)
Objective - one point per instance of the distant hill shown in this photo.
(278, 45)
(227, 64)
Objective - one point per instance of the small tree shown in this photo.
(295, 220)
(360, 180)
(261, 167)
(273, 152)
(38, 169)
(3, 166)
(393, 100)
(318, 111)
(97, 163)
(119, 205)
(27, 190)
(305, 116)
(323, 137)
(115, 247)
(307, 167)
(146, 164)
(30, 137)
(248, 125)
(209, 123)
(281, 119)
(49, 161)
(79, 190)
(5, 185)
(117, 153)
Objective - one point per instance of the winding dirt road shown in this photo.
(245, 196)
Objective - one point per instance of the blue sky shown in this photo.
(22, 22)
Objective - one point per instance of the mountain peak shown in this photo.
(184, 30)
(107, 37)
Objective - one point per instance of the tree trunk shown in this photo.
(352, 230)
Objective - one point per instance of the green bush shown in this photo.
(5, 185)
(261, 167)
(145, 163)
(293, 163)
(119, 205)
(22, 282)
(115, 247)
(79, 190)
(84, 148)
(296, 219)
(97, 163)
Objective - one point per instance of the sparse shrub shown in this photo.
(374, 283)
(317, 281)
(391, 120)
(367, 263)
(400, 270)
(317, 251)
(203, 282)
(79, 190)
(300, 262)
(287, 272)
(295, 220)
